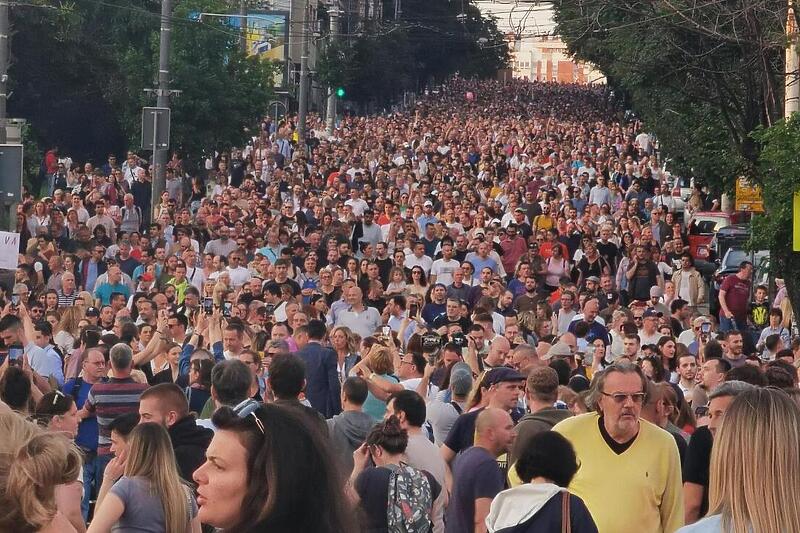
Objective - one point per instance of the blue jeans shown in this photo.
(93, 469)
(730, 324)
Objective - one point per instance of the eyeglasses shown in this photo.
(619, 397)
(638, 318)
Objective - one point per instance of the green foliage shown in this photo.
(432, 41)
(779, 166)
(79, 72)
(701, 76)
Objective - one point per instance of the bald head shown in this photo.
(489, 419)
(494, 431)
(498, 351)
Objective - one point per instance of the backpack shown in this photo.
(410, 500)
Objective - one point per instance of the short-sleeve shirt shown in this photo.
(697, 462)
(462, 434)
(109, 400)
(475, 475)
(144, 511)
(372, 486)
(737, 296)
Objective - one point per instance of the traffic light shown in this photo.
(340, 92)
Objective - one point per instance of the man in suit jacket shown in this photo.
(322, 380)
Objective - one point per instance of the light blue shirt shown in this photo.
(46, 362)
(709, 524)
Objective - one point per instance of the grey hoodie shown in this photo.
(532, 424)
(348, 431)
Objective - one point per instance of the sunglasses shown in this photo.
(618, 397)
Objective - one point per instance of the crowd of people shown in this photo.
(481, 315)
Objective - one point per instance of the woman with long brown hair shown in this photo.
(147, 492)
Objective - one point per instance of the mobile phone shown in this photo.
(226, 309)
(15, 354)
(386, 331)
(413, 310)
(705, 328)
(208, 305)
(15, 300)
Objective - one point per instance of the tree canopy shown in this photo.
(430, 42)
(79, 71)
(702, 76)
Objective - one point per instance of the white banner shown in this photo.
(9, 250)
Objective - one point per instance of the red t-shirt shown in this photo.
(737, 296)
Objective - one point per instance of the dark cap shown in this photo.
(92, 311)
(652, 313)
(500, 375)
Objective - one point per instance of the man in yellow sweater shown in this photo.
(630, 474)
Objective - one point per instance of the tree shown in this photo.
(779, 164)
(79, 72)
(431, 41)
(702, 76)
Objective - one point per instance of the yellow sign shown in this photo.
(796, 222)
(748, 197)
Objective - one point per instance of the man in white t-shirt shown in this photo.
(442, 269)
(418, 258)
(357, 203)
(412, 368)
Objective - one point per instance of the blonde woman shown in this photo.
(142, 490)
(755, 490)
(67, 331)
(345, 345)
(377, 367)
(33, 463)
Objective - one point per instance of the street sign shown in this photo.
(155, 128)
(748, 197)
(10, 173)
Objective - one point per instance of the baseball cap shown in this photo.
(92, 311)
(652, 313)
(500, 375)
(461, 379)
(656, 292)
(428, 203)
(559, 349)
(147, 276)
(593, 278)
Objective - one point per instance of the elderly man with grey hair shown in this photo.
(698, 454)
(116, 396)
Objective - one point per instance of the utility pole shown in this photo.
(792, 87)
(4, 31)
(330, 120)
(304, 80)
(243, 22)
(163, 92)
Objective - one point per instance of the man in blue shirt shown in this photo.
(103, 292)
(427, 216)
(93, 371)
(481, 260)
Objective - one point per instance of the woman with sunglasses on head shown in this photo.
(58, 413)
(33, 464)
(270, 470)
(142, 490)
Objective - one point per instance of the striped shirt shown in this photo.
(66, 300)
(109, 400)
